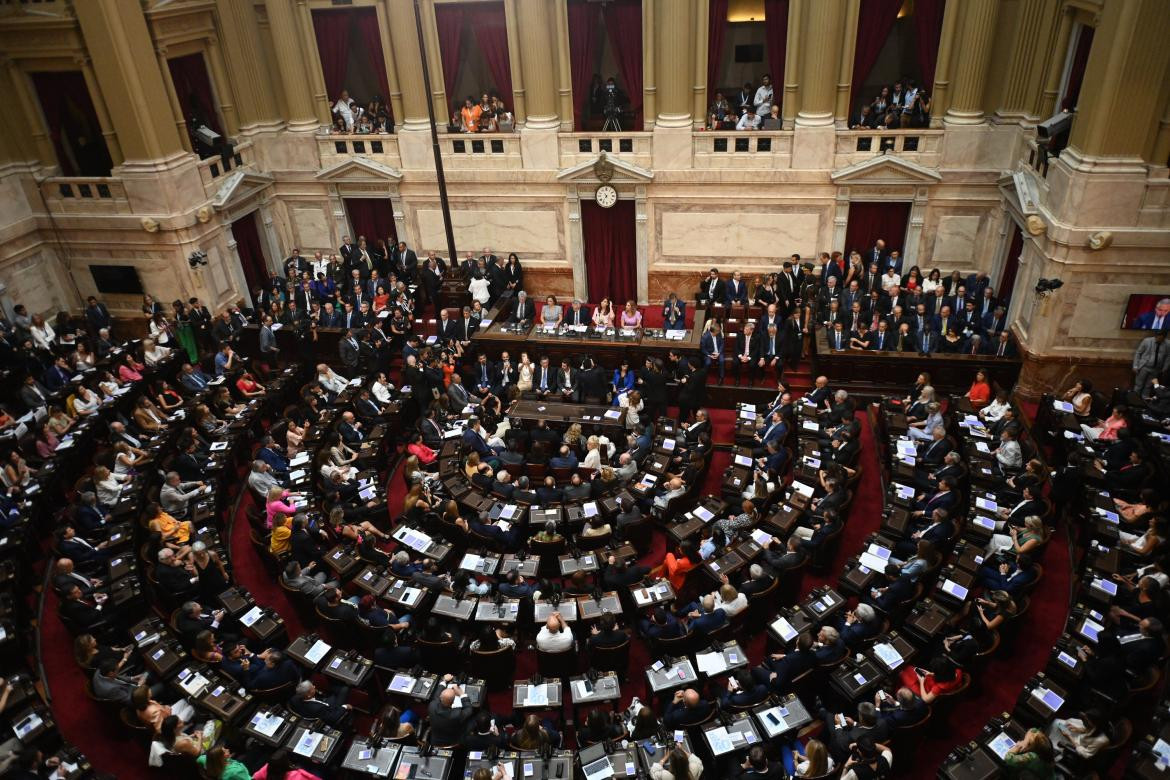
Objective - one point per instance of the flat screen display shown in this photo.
(1147, 311)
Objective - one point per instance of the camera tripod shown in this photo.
(613, 123)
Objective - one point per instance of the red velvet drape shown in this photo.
(366, 20)
(449, 20)
(928, 22)
(716, 30)
(870, 221)
(776, 30)
(248, 247)
(331, 29)
(583, 29)
(623, 23)
(874, 24)
(1076, 73)
(610, 256)
(491, 33)
(70, 117)
(1011, 264)
(372, 218)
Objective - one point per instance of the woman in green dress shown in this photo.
(218, 764)
(186, 330)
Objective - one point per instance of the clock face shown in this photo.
(606, 196)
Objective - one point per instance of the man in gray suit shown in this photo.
(349, 351)
(268, 349)
(457, 394)
(110, 685)
(311, 583)
(1151, 359)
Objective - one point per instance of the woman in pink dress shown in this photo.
(631, 317)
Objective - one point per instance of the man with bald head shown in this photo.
(555, 637)
(686, 709)
(448, 722)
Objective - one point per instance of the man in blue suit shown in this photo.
(737, 291)
(996, 321)
(269, 454)
(711, 345)
(881, 339)
(1158, 319)
(926, 341)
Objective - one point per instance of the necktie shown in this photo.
(1157, 323)
(1002, 345)
(838, 335)
(543, 379)
(924, 343)
(881, 340)
(485, 374)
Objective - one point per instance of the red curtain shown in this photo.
(610, 256)
(372, 218)
(449, 19)
(491, 33)
(874, 24)
(928, 22)
(623, 23)
(870, 221)
(716, 29)
(193, 88)
(332, 33)
(1076, 73)
(1011, 264)
(776, 31)
(366, 20)
(72, 123)
(582, 50)
(251, 254)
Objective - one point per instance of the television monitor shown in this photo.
(1144, 310)
(117, 279)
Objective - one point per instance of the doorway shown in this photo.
(251, 252)
(1011, 264)
(869, 221)
(611, 257)
(372, 218)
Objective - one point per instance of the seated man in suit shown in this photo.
(525, 310)
(660, 624)
(1013, 578)
(792, 556)
(757, 766)
(192, 620)
(85, 614)
(687, 708)
(274, 672)
(926, 341)
(548, 492)
(485, 376)
(779, 669)
(330, 604)
(308, 702)
(447, 722)
(904, 709)
(891, 590)
(566, 459)
(83, 552)
(840, 740)
(568, 385)
(859, 626)
(829, 647)
(937, 530)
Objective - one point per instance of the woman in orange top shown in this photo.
(470, 115)
(980, 393)
(676, 565)
(382, 299)
(248, 385)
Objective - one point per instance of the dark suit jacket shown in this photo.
(527, 311)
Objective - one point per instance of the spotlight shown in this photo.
(197, 258)
(1046, 286)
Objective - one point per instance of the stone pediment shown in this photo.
(885, 170)
(358, 169)
(606, 170)
(1021, 185)
(239, 185)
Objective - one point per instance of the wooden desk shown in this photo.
(886, 372)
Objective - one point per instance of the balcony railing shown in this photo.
(380, 148)
(747, 149)
(923, 146)
(481, 150)
(214, 167)
(635, 148)
(85, 195)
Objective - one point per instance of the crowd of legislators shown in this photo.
(901, 105)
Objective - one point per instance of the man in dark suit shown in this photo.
(81, 611)
(877, 254)
(524, 309)
(757, 766)
(352, 317)
(405, 262)
(926, 341)
(275, 671)
(485, 376)
(329, 317)
(577, 314)
(548, 492)
(789, 283)
(652, 385)
(350, 429)
(1003, 346)
(308, 702)
(81, 550)
(349, 352)
(448, 723)
(97, 316)
(937, 530)
(687, 708)
(747, 353)
(933, 453)
(660, 625)
(712, 288)
(737, 291)
(1011, 577)
(779, 669)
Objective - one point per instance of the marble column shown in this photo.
(408, 65)
(16, 143)
(699, 91)
(438, 96)
(27, 107)
(1122, 97)
(221, 86)
(172, 96)
(130, 79)
(312, 63)
(649, 67)
(516, 57)
(940, 93)
(534, 22)
(1025, 77)
(1055, 59)
(242, 53)
(295, 82)
(970, 71)
(675, 54)
(793, 48)
(577, 245)
(824, 23)
(564, 69)
(103, 113)
(845, 70)
(1160, 154)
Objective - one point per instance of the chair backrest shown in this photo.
(562, 664)
(594, 542)
(440, 657)
(277, 693)
(496, 667)
(611, 659)
(676, 645)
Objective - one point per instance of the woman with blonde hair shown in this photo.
(524, 374)
(1020, 542)
(573, 436)
(592, 453)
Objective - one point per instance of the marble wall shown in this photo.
(537, 231)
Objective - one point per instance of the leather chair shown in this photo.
(496, 667)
